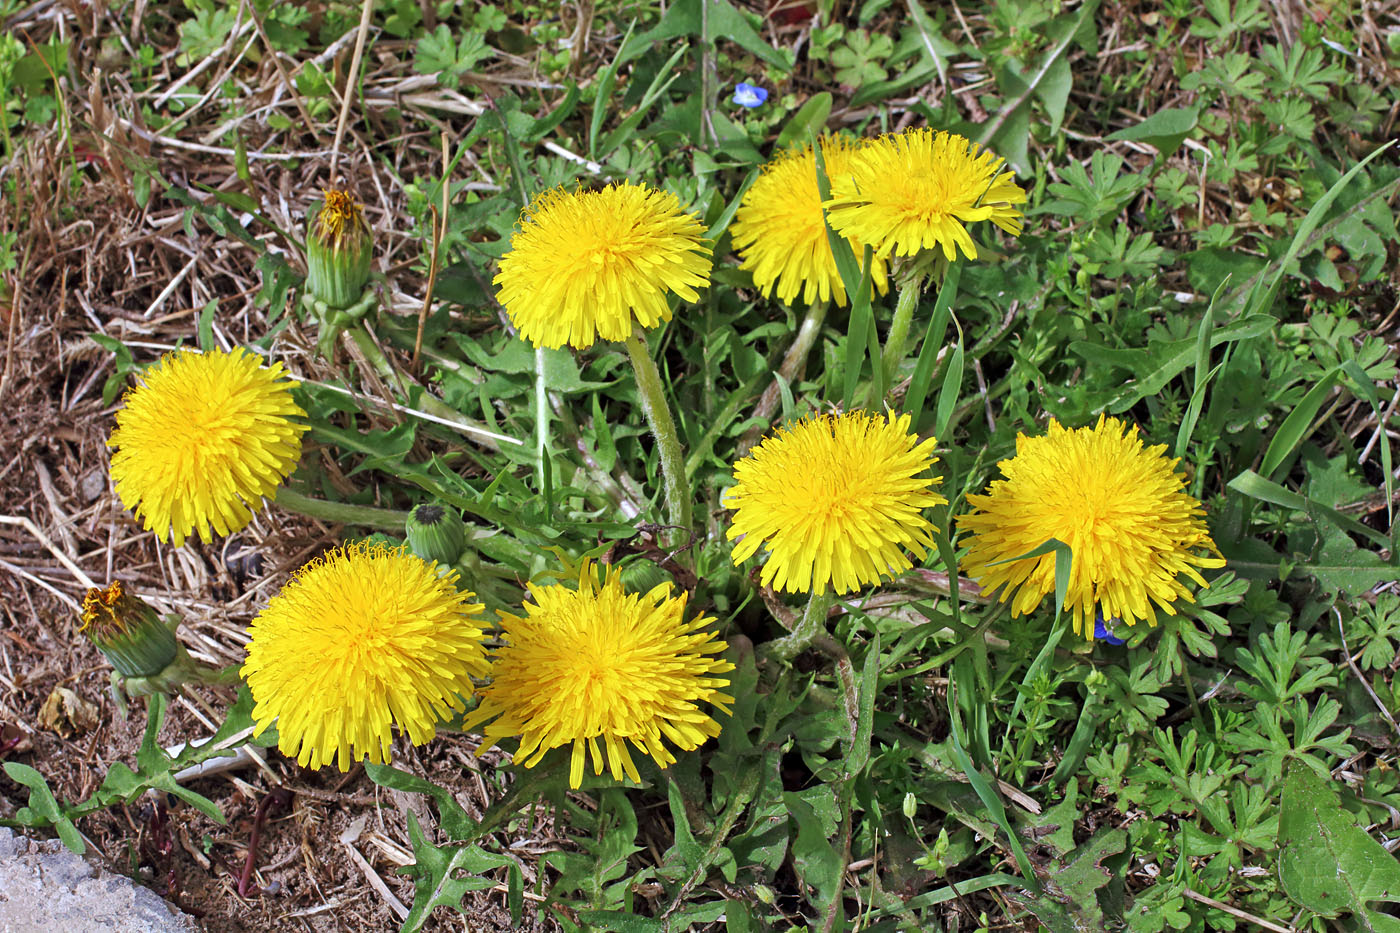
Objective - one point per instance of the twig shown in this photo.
(1351, 662)
(52, 548)
(1366, 451)
(273, 798)
(351, 77)
(455, 425)
(10, 332)
(150, 137)
(439, 234)
(1236, 912)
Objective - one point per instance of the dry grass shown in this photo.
(93, 261)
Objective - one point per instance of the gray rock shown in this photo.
(44, 888)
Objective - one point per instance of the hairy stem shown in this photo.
(342, 512)
(909, 292)
(668, 442)
(811, 625)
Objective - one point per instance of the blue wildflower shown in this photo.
(1103, 629)
(749, 95)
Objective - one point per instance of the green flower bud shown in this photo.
(338, 251)
(435, 532)
(128, 632)
(141, 645)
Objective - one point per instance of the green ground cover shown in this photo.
(1208, 252)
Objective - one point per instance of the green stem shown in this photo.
(811, 625)
(541, 414)
(909, 292)
(341, 512)
(668, 441)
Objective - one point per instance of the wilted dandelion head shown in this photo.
(202, 440)
(595, 667)
(362, 638)
(588, 264)
(1121, 507)
(780, 233)
(836, 500)
(914, 191)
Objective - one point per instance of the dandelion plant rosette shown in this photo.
(586, 265)
(917, 190)
(202, 440)
(780, 232)
(836, 501)
(362, 639)
(1120, 506)
(596, 669)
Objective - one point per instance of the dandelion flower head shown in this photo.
(914, 191)
(202, 440)
(780, 232)
(1120, 506)
(587, 264)
(362, 638)
(595, 667)
(836, 500)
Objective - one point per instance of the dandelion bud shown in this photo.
(338, 251)
(435, 532)
(128, 631)
(140, 644)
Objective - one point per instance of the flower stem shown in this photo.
(809, 627)
(909, 291)
(668, 442)
(344, 513)
(541, 414)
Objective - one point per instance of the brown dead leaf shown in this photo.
(67, 713)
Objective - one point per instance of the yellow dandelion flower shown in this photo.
(598, 663)
(204, 437)
(836, 499)
(913, 191)
(780, 233)
(362, 638)
(1119, 506)
(586, 264)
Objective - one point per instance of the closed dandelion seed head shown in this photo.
(836, 500)
(360, 640)
(202, 440)
(780, 233)
(588, 265)
(597, 668)
(1121, 507)
(917, 190)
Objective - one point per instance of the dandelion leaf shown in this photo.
(445, 875)
(1327, 863)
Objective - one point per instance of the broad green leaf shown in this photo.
(43, 808)
(445, 875)
(809, 121)
(683, 18)
(1163, 130)
(1295, 427)
(1327, 863)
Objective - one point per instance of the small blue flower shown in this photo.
(1103, 630)
(749, 95)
